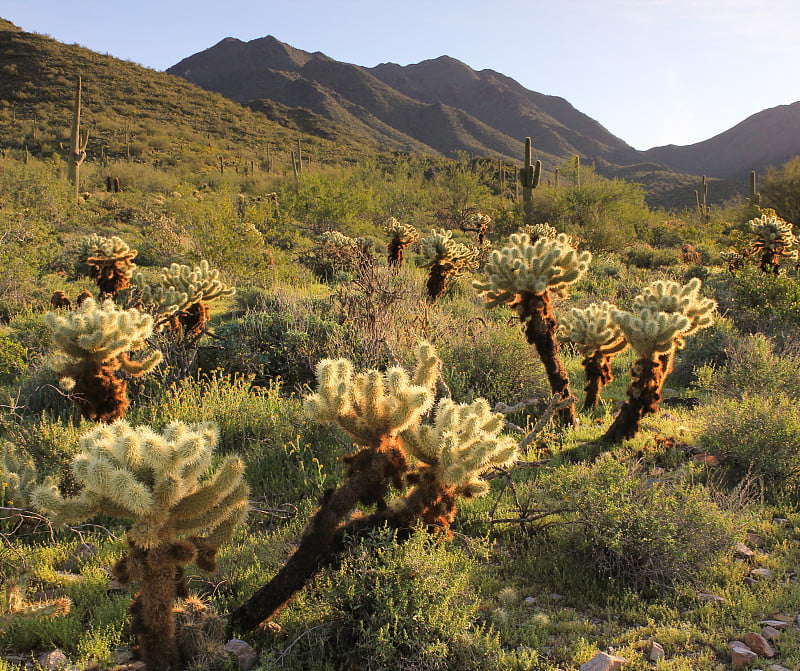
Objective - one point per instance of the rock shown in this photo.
(53, 660)
(761, 573)
(529, 601)
(775, 624)
(711, 598)
(82, 553)
(755, 540)
(750, 582)
(115, 585)
(741, 655)
(758, 644)
(776, 667)
(656, 652)
(783, 617)
(604, 662)
(742, 551)
(770, 633)
(245, 655)
(556, 597)
(781, 522)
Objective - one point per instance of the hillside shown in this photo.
(132, 110)
(768, 138)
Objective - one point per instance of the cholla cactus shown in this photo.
(733, 259)
(185, 291)
(401, 236)
(663, 315)
(774, 239)
(14, 606)
(373, 408)
(478, 222)
(526, 276)
(17, 477)
(446, 260)
(598, 338)
(200, 633)
(179, 512)
(95, 342)
(536, 232)
(110, 262)
(335, 252)
(463, 443)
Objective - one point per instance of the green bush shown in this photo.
(708, 347)
(12, 359)
(648, 534)
(390, 606)
(643, 256)
(759, 436)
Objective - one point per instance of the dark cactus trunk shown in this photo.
(437, 282)
(396, 253)
(598, 375)
(194, 319)
(540, 331)
(644, 394)
(369, 475)
(99, 394)
(108, 276)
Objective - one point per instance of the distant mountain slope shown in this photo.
(768, 138)
(161, 117)
(481, 113)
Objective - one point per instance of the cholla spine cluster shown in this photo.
(548, 265)
(404, 234)
(592, 329)
(160, 482)
(440, 249)
(371, 405)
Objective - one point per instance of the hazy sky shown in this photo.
(652, 72)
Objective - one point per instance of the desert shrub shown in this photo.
(390, 606)
(759, 437)
(489, 361)
(644, 256)
(12, 359)
(760, 302)
(643, 533)
(708, 347)
(781, 189)
(754, 365)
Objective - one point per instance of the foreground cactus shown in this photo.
(373, 408)
(663, 315)
(15, 607)
(774, 240)
(446, 260)
(95, 341)
(17, 477)
(185, 291)
(526, 276)
(401, 236)
(598, 338)
(110, 262)
(179, 513)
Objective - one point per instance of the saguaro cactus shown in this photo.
(754, 199)
(774, 240)
(401, 236)
(110, 262)
(373, 408)
(446, 260)
(179, 512)
(529, 177)
(598, 338)
(701, 198)
(526, 277)
(663, 315)
(185, 291)
(77, 147)
(95, 341)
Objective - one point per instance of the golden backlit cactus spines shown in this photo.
(598, 338)
(95, 341)
(652, 333)
(179, 512)
(463, 443)
(401, 236)
(537, 231)
(110, 261)
(446, 259)
(526, 276)
(774, 240)
(549, 264)
(373, 405)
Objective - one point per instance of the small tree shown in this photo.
(526, 277)
(598, 338)
(663, 315)
(774, 240)
(446, 260)
(180, 513)
(95, 342)
(401, 236)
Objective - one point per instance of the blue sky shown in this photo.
(651, 71)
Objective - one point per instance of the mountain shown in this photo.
(768, 138)
(130, 109)
(444, 106)
(441, 106)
